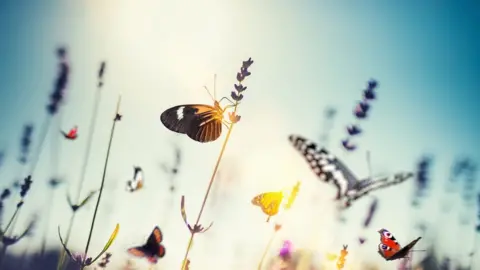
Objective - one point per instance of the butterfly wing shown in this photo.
(326, 166)
(129, 186)
(206, 126)
(257, 200)
(405, 250)
(389, 240)
(269, 202)
(385, 251)
(138, 175)
(272, 207)
(202, 123)
(138, 252)
(178, 118)
(72, 133)
(366, 186)
(156, 237)
(143, 252)
(153, 242)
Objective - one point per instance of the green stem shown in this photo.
(103, 182)
(267, 248)
(212, 179)
(48, 215)
(93, 121)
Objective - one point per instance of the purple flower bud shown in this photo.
(286, 249)
(353, 130)
(348, 146)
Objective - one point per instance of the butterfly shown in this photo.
(330, 169)
(390, 249)
(269, 203)
(153, 249)
(72, 134)
(200, 122)
(137, 182)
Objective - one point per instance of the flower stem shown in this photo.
(103, 181)
(212, 179)
(86, 158)
(267, 248)
(48, 216)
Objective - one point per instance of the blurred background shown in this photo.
(311, 62)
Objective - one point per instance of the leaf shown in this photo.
(108, 244)
(89, 196)
(69, 200)
(75, 207)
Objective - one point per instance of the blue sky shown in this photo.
(308, 55)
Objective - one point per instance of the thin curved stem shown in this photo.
(91, 129)
(212, 179)
(103, 181)
(267, 248)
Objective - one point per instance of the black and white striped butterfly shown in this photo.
(330, 169)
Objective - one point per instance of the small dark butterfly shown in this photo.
(153, 249)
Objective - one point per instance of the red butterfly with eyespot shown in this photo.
(390, 249)
(72, 134)
(152, 250)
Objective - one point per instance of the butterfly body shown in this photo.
(390, 249)
(137, 181)
(269, 203)
(202, 123)
(71, 135)
(330, 169)
(153, 249)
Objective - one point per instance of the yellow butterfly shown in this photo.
(269, 202)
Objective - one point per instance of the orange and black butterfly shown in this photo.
(202, 123)
(390, 249)
(153, 249)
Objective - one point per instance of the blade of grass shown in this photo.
(103, 179)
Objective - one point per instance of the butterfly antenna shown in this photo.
(208, 91)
